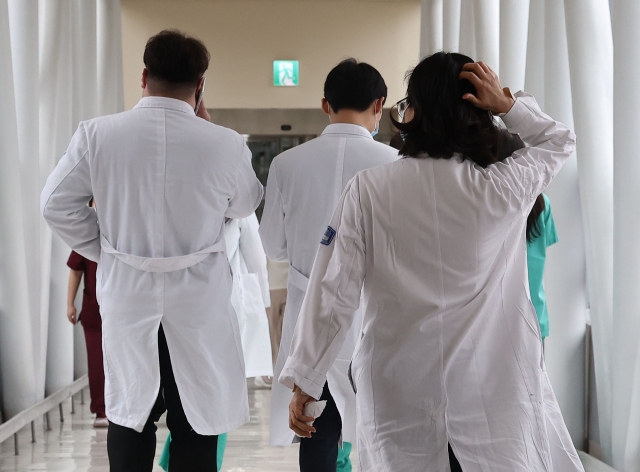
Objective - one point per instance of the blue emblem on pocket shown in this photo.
(329, 234)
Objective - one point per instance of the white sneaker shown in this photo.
(101, 423)
(263, 382)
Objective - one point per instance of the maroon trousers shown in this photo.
(93, 338)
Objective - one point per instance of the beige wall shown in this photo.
(245, 36)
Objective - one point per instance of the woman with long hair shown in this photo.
(449, 352)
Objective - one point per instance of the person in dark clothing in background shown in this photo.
(92, 326)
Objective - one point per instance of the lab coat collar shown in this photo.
(347, 128)
(165, 102)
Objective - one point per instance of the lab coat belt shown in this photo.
(297, 279)
(161, 264)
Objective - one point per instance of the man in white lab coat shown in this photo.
(303, 188)
(163, 180)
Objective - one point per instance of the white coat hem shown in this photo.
(212, 431)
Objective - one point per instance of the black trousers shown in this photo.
(130, 451)
(319, 453)
(455, 465)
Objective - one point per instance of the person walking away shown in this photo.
(541, 234)
(249, 297)
(165, 179)
(450, 354)
(278, 272)
(89, 318)
(303, 188)
(250, 294)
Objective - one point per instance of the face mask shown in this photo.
(377, 128)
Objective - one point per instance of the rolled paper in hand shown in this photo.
(314, 409)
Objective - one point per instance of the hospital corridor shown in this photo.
(319, 236)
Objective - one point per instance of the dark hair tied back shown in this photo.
(444, 123)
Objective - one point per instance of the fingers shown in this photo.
(476, 68)
(472, 98)
(295, 411)
(471, 77)
(487, 70)
(480, 69)
(301, 428)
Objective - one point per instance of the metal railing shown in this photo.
(12, 426)
(591, 464)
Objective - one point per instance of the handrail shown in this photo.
(591, 464)
(12, 426)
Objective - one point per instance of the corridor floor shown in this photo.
(75, 445)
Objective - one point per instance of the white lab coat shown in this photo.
(304, 186)
(163, 181)
(450, 347)
(250, 293)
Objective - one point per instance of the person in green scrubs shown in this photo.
(541, 233)
(343, 463)
(164, 458)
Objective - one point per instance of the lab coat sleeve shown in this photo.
(255, 259)
(333, 295)
(272, 232)
(65, 197)
(248, 192)
(530, 170)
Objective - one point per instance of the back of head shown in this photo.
(353, 85)
(175, 62)
(444, 123)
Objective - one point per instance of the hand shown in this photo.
(297, 421)
(489, 94)
(202, 111)
(71, 314)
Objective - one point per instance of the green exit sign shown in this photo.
(285, 73)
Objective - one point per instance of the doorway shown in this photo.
(264, 149)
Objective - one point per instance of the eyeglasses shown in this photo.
(400, 108)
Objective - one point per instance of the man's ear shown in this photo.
(200, 85)
(144, 79)
(379, 103)
(326, 108)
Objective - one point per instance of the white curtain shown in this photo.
(563, 53)
(626, 287)
(50, 56)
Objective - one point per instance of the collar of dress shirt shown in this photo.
(165, 102)
(347, 128)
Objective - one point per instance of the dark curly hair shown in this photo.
(444, 123)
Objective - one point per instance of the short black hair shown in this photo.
(175, 59)
(353, 85)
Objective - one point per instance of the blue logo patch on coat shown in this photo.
(329, 234)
